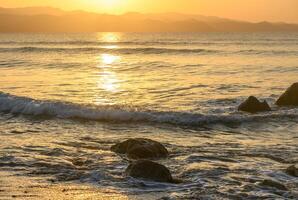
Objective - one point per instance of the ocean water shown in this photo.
(66, 98)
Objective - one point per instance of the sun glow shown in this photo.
(110, 3)
(248, 10)
(110, 6)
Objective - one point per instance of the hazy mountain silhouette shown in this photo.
(32, 11)
(47, 19)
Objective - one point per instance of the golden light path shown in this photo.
(107, 81)
(110, 37)
(108, 59)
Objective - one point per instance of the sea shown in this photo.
(65, 99)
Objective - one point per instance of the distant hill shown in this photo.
(32, 11)
(47, 19)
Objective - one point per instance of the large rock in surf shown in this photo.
(141, 148)
(290, 97)
(149, 170)
(253, 105)
(292, 170)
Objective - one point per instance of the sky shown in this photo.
(248, 10)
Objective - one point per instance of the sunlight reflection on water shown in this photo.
(108, 81)
(108, 59)
(107, 78)
(110, 37)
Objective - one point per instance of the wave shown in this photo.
(148, 50)
(142, 50)
(27, 106)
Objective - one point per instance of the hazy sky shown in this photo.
(250, 10)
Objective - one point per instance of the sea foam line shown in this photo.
(27, 106)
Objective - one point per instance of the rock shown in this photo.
(253, 105)
(292, 170)
(274, 184)
(290, 97)
(141, 148)
(149, 170)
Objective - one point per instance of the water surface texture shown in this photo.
(66, 98)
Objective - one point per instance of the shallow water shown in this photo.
(66, 98)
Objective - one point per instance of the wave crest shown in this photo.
(27, 106)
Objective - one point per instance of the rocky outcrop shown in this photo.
(253, 105)
(141, 148)
(149, 170)
(290, 97)
(292, 170)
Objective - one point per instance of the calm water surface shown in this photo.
(66, 98)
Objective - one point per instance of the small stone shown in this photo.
(149, 170)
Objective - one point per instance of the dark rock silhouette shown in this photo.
(253, 105)
(273, 183)
(141, 148)
(149, 170)
(290, 97)
(292, 170)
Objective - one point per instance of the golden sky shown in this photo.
(250, 10)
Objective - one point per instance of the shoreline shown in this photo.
(20, 187)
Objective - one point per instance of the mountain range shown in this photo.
(47, 19)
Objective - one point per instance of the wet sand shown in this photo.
(20, 187)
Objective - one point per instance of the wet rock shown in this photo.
(149, 170)
(290, 97)
(141, 148)
(253, 105)
(292, 170)
(274, 184)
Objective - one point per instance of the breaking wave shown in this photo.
(27, 106)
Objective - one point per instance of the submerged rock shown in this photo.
(274, 184)
(292, 170)
(141, 148)
(290, 97)
(253, 105)
(149, 170)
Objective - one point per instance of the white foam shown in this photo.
(27, 106)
